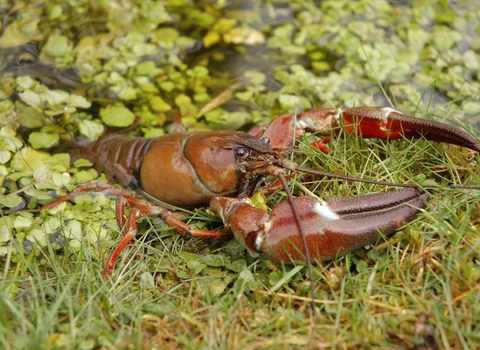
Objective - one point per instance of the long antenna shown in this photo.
(376, 182)
(304, 241)
(351, 178)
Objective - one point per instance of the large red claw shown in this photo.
(332, 228)
(367, 122)
(387, 123)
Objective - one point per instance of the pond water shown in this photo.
(161, 60)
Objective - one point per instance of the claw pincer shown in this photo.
(332, 228)
(367, 122)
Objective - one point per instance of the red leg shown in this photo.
(140, 208)
(128, 234)
(96, 187)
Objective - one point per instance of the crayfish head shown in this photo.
(225, 161)
(202, 165)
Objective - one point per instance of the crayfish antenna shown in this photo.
(295, 167)
(304, 242)
(351, 178)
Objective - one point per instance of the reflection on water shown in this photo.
(24, 60)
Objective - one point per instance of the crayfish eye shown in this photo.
(242, 153)
(265, 140)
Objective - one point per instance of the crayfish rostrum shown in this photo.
(222, 169)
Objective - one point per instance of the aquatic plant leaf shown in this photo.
(32, 99)
(26, 161)
(91, 129)
(10, 200)
(43, 139)
(157, 104)
(56, 46)
(117, 115)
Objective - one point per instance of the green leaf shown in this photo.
(59, 162)
(225, 24)
(60, 180)
(56, 46)
(4, 156)
(91, 129)
(289, 101)
(38, 194)
(77, 101)
(22, 223)
(127, 93)
(260, 200)
(185, 256)
(286, 278)
(211, 38)
(214, 260)
(255, 77)
(5, 229)
(26, 161)
(147, 280)
(117, 115)
(42, 173)
(26, 82)
(148, 68)
(154, 133)
(73, 230)
(82, 163)
(10, 200)
(247, 36)
(42, 139)
(157, 104)
(32, 99)
(5, 105)
(237, 265)
(29, 117)
(85, 176)
(54, 12)
(167, 86)
(217, 287)
(245, 95)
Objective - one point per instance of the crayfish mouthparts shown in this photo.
(332, 228)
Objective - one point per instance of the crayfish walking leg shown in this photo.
(141, 208)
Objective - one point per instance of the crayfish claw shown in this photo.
(387, 123)
(333, 228)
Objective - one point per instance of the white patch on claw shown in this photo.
(253, 254)
(302, 124)
(259, 242)
(386, 113)
(322, 209)
(267, 226)
(337, 115)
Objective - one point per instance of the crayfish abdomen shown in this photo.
(117, 156)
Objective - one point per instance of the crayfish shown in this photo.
(222, 169)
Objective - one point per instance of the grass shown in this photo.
(417, 289)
